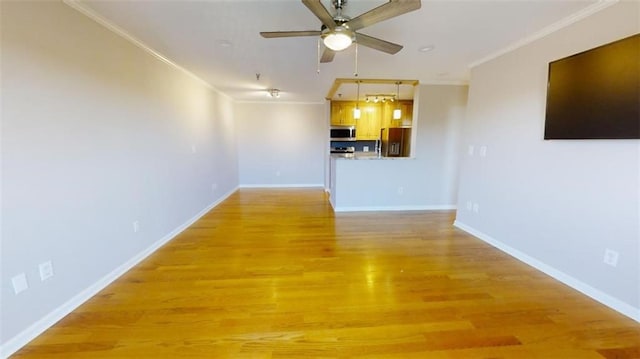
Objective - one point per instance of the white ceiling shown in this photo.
(219, 40)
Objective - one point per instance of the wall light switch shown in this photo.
(20, 283)
(471, 150)
(483, 151)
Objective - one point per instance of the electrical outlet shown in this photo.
(46, 270)
(401, 190)
(469, 206)
(471, 150)
(136, 226)
(476, 207)
(20, 283)
(611, 257)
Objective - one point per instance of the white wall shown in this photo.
(557, 204)
(282, 144)
(96, 134)
(429, 179)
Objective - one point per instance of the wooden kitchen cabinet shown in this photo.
(342, 113)
(406, 118)
(407, 113)
(387, 114)
(369, 124)
(373, 117)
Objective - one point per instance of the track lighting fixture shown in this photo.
(275, 93)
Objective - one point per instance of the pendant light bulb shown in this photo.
(397, 113)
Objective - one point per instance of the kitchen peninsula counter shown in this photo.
(363, 181)
(364, 156)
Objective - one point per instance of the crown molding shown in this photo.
(445, 83)
(573, 18)
(90, 13)
(276, 102)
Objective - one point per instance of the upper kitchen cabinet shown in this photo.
(406, 114)
(376, 98)
(368, 126)
(342, 113)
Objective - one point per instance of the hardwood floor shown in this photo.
(276, 274)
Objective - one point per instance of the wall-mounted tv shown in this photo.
(595, 94)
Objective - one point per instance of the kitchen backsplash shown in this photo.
(359, 145)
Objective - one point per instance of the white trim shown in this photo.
(444, 207)
(436, 82)
(573, 18)
(584, 288)
(276, 102)
(21, 339)
(90, 13)
(290, 185)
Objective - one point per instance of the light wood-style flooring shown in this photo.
(276, 274)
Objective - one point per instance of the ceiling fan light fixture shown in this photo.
(338, 39)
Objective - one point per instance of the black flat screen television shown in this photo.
(595, 94)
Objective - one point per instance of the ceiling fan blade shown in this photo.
(377, 44)
(383, 12)
(327, 55)
(272, 34)
(320, 12)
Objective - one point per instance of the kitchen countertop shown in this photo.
(364, 156)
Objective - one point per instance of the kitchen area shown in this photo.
(371, 122)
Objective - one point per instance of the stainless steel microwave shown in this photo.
(343, 133)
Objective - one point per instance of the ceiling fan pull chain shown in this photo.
(355, 73)
(318, 58)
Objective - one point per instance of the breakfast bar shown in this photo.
(365, 181)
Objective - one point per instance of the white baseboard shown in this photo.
(14, 344)
(394, 208)
(290, 185)
(600, 296)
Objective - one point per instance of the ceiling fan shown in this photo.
(338, 32)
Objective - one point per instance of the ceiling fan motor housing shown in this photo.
(338, 4)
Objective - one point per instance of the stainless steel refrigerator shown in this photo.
(396, 142)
